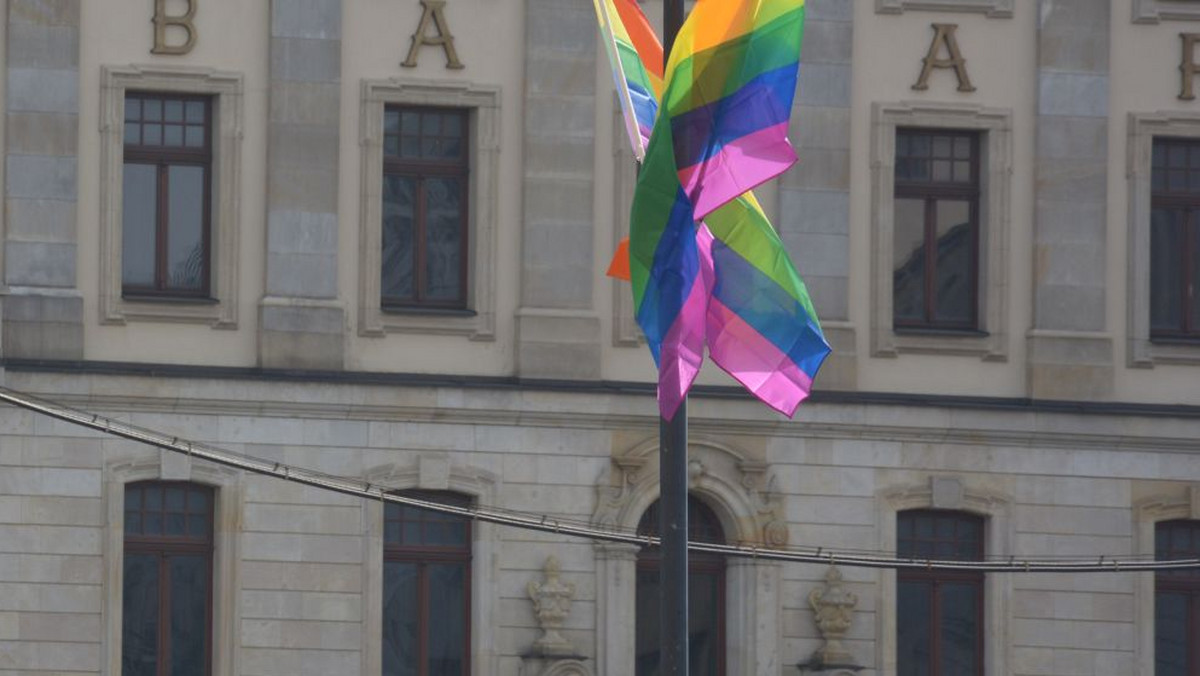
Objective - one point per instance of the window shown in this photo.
(706, 596)
(1175, 240)
(939, 613)
(424, 207)
(426, 590)
(167, 194)
(167, 579)
(936, 230)
(1177, 601)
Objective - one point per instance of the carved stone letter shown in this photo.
(1188, 66)
(433, 14)
(944, 35)
(162, 20)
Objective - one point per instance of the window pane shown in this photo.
(152, 134)
(173, 111)
(139, 206)
(955, 262)
(1194, 258)
(1170, 634)
(1166, 274)
(908, 282)
(185, 215)
(195, 136)
(133, 108)
(132, 131)
(447, 619)
(152, 110)
(960, 628)
(195, 111)
(400, 621)
(704, 589)
(647, 619)
(443, 237)
(189, 614)
(175, 495)
(913, 634)
(139, 602)
(398, 237)
(173, 134)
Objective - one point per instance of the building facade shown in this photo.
(367, 238)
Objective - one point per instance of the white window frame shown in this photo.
(483, 103)
(1147, 514)
(995, 210)
(996, 9)
(1153, 11)
(226, 585)
(952, 493)
(1143, 128)
(226, 88)
(435, 472)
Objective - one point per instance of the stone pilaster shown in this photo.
(43, 311)
(302, 322)
(558, 331)
(814, 197)
(1070, 349)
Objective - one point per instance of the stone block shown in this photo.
(820, 255)
(301, 662)
(305, 548)
(560, 27)
(302, 275)
(822, 169)
(319, 19)
(1072, 138)
(43, 327)
(829, 10)
(827, 42)
(308, 145)
(1072, 94)
(1079, 49)
(295, 605)
(34, 46)
(555, 74)
(41, 220)
(302, 635)
(306, 60)
(558, 346)
(285, 576)
(303, 232)
(59, 627)
(571, 156)
(1075, 181)
(1069, 308)
(420, 436)
(804, 212)
(37, 656)
(1071, 264)
(304, 187)
(302, 519)
(41, 177)
(1069, 14)
(302, 338)
(1076, 368)
(552, 117)
(43, 90)
(823, 84)
(305, 103)
(40, 264)
(819, 127)
(44, 12)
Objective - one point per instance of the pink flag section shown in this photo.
(738, 167)
(755, 361)
(683, 346)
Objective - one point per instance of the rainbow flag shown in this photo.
(727, 282)
(635, 54)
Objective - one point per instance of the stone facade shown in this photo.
(542, 400)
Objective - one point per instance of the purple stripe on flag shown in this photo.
(683, 346)
(738, 167)
(755, 361)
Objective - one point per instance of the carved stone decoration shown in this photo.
(551, 605)
(833, 608)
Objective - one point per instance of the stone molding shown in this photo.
(1147, 513)
(1000, 536)
(227, 520)
(434, 471)
(1141, 352)
(1153, 11)
(226, 88)
(483, 102)
(995, 215)
(996, 9)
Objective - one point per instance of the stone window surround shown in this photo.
(1153, 11)
(995, 208)
(1147, 513)
(228, 112)
(998, 9)
(483, 101)
(948, 492)
(435, 472)
(1143, 128)
(226, 587)
(740, 491)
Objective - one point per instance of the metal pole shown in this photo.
(672, 476)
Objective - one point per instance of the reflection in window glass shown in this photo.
(1174, 302)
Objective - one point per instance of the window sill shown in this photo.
(934, 331)
(425, 311)
(181, 300)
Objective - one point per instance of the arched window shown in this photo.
(426, 589)
(706, 596)
(939, 613)
(167, 587)
(1177, 601)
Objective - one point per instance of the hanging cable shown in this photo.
(575, 527)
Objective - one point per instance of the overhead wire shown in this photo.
(575, 527)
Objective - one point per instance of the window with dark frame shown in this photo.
(426, 163)
(168, 573)
(706, 596)
(939, 614)
(1177, 600)
(1175, 240)
(166, 238)
(935, 282)
(426, 589)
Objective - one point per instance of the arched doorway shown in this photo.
(706, 595)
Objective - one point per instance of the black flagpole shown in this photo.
(672, 477)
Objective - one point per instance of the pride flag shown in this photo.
(727, 282)
(635, 54)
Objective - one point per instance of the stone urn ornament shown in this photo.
(833, 609)
(551, 605)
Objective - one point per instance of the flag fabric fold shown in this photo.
(635, 55)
